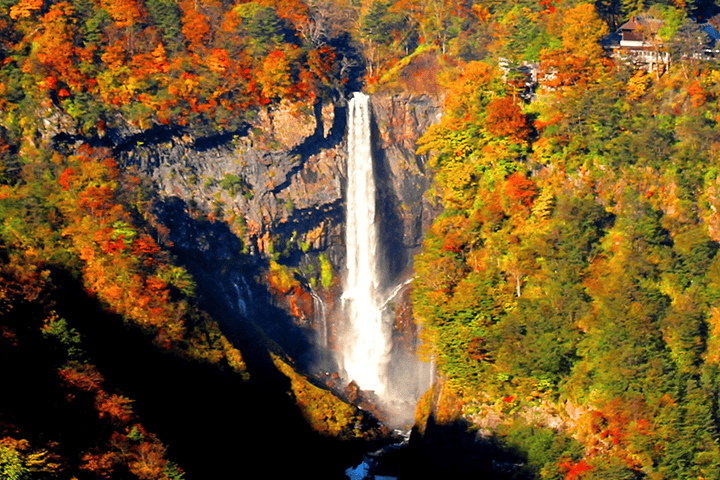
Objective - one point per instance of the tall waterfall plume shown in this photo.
(366, 342)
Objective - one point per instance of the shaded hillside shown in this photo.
(192, 407)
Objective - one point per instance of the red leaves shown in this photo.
(698, 96)
(145, 245)
(96, 199)
(156, 287)
(114, 246)
(454, 242)
(119, 264)
(574, 470)
(101, 464)
(66, 178)
(140, 451)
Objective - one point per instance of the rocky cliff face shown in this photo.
(257, 215)
(401, 176)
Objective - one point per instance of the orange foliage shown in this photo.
(66, 177)
(101, 464)
(115, 55)
(148, 461)
(449, 406)
(118, 269)
(96, 199)
(219, 60)
(24, 8)
(296, 11)
(125, 13)
(274, 75)
(521, 191)
(115, 407)
(55, 46)
(145, 245)
(506, 119)
(698, 96)
(301, 303)
(465, 89)
(562, 68)
(196, 26)
(83, 377)
(321, 62)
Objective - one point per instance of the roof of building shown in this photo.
(641, 21)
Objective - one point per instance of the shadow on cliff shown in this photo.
(227, 287)
(394, 256)
(214, 423)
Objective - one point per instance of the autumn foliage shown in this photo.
(164, 62)
(574, 260)
(506, 119)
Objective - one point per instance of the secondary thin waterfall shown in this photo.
(320, 316)
(365, 345)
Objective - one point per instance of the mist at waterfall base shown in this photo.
(366, 353)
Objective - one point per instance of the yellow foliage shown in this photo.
(583, 29)
(423, 410)
(25, 8)
(280, 279)
(638, 84)
(325, 412)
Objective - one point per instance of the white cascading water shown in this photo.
(365, 345)
(320, 316)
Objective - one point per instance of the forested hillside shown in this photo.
(569, 287)
(566, 293)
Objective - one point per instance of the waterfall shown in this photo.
(395, 292)
(320, 318)
(243, 298)
(365, 345)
